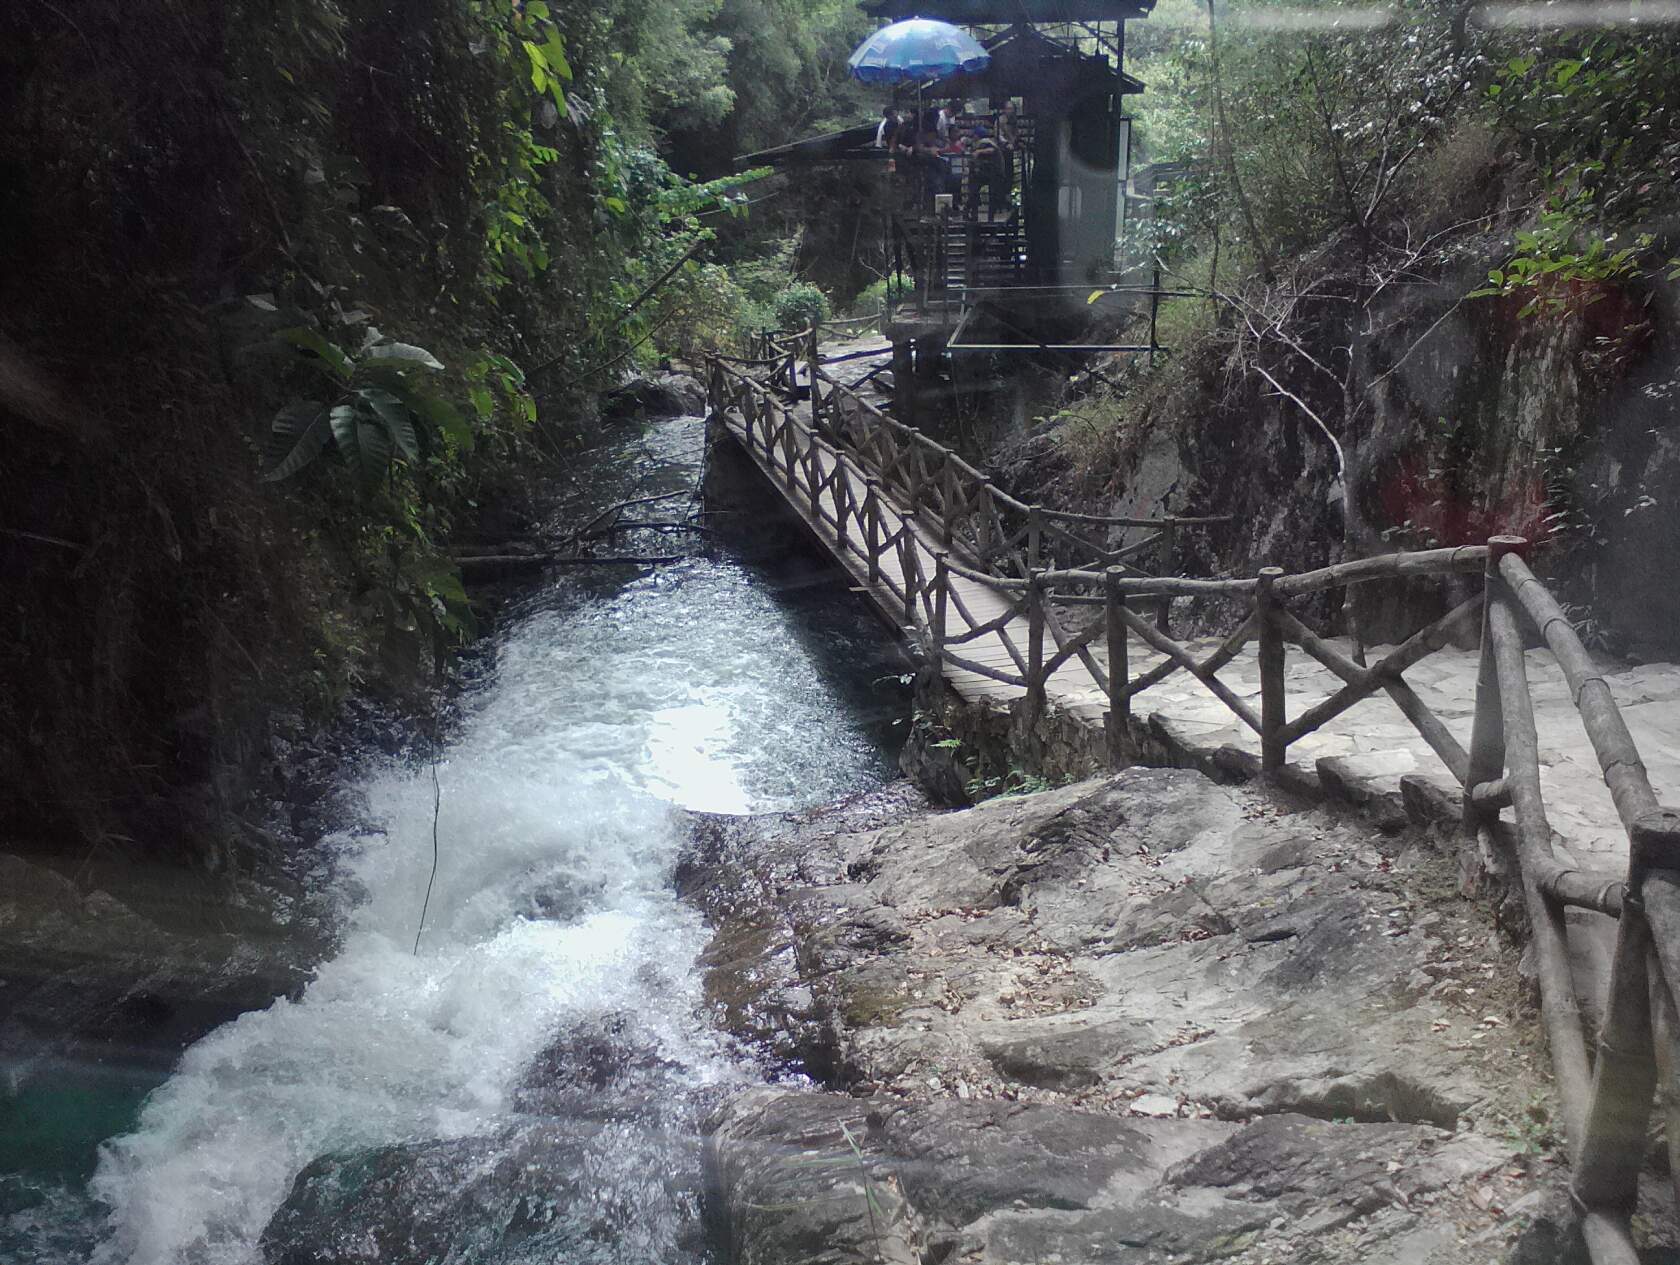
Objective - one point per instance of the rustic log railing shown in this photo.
(980, 521)
(963, 564)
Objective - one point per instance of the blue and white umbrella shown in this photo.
(916, 51)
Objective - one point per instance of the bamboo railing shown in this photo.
(964, 564)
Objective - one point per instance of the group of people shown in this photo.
(931, 140)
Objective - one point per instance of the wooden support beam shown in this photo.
(872, 527)
(1226, 651)
(1612, 1152)
(1618, 757)
(1492, 796)
(941, 590)
(1163, 608)
(1119, 701)
(1560, 1011)
(1487, 734)
(1035, 648)
(1180, 656)
(1273, 746)
(1384, 675)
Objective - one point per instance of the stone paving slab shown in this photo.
(1378, 737)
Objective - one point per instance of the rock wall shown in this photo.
(1559, 425)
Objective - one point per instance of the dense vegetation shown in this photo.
(295, 293)
(298, 292)
(1394, 222)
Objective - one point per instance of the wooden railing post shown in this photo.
(1035, 648)
(812, 360)
(948, 494)
(872, 526)
(842, 496)
(1035, 537)
(941, 583)
(1487, 732)
(1612, 1149)
(1119, 704)
(1163, 610)
(983, 519)
(1625, 1073)
(907, 568)
(1272, 719)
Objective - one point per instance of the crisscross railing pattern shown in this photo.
(988, 526)
(967, 568)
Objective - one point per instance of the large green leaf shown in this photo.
(343, 422)
(444, 419)
(398, 420)
(406, 353)
(362, 441)
(295, 438)
(373, 448)
(330, 354)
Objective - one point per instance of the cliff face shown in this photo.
(1468, 420)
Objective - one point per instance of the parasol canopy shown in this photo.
(916, 50)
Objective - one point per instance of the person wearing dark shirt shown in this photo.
(936, 168)
(991, 173)
(886, 135)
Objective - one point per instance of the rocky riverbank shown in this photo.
(1138, 1019)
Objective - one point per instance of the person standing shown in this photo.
(887, 133)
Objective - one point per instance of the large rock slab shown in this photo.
(838, 1180)
(1144, 1018)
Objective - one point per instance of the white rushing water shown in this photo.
(552, 906)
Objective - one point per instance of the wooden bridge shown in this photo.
(1041, 611)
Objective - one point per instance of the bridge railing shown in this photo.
(777, 355)
(994, 530)
(985, 608)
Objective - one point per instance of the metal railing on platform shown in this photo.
(940, 520)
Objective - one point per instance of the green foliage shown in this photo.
(1291, 121)
(1554, 270)
(1598, 109)
(800, 306)
(381, 407)
(784, 64)
(1010, 785)
(1595, 112)
(871, 299)
(485, 176)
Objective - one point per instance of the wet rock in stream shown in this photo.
(1140, 1019)
(600, 1168)
(97, 999)
(660, 395)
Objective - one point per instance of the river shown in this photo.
(609, 702)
